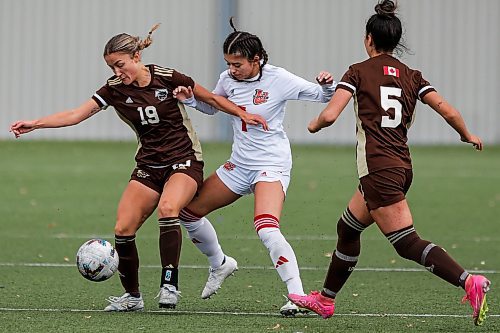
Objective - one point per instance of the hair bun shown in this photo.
(386, 8)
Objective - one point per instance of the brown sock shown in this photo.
(440, 263)
(170, 249)
(410, 246)
(345, 256)
(128, 266)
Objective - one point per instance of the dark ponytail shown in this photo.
(386, 28)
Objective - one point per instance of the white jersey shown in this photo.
(253, 147)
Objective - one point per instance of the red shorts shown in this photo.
(385, 187)
(155, 178)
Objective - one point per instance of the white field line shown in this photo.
(241, 237)
(304, 268)
(269, 314)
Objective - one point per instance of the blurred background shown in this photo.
(52, 57)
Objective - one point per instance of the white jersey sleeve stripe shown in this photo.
(421, 91)
(101, 100)
(350, 86)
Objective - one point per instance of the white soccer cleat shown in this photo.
(217, 275)
(124, 303)
(290, 310)
(169, 296)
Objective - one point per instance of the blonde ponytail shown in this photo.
(125, 43)
(148, 40)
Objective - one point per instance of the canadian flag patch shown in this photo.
(388, 70)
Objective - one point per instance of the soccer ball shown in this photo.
(97, 260)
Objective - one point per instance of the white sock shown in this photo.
(283, 258)
(204, 237)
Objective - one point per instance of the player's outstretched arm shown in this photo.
(227, 106)
(60, 119)
(332, 111)
(452, 117)
(185, 95)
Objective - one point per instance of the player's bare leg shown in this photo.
(136, 205)
(269, 199)
(214, 194)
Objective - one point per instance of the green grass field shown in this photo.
(56, 195)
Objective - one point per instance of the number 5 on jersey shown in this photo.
(388, 103)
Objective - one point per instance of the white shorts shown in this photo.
(242, 181)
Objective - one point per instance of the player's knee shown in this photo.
(166, 208)
(124, 230)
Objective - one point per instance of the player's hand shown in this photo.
(313, 126)
(475, 141)
(254, 119)
(182, 93)
(324, 78)
(22, 127)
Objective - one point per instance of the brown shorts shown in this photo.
(155, 178)
(385, 187)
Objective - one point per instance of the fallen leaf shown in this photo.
(275, 327)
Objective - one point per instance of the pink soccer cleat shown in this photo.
(316, 302)
(476, 288)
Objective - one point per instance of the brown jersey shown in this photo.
(162, 126)
(385, 94)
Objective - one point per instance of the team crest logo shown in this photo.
(229, 166)
(161, 94)
(181, 166)
(142, 174)
(260, 96)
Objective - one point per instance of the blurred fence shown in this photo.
(52, 56)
